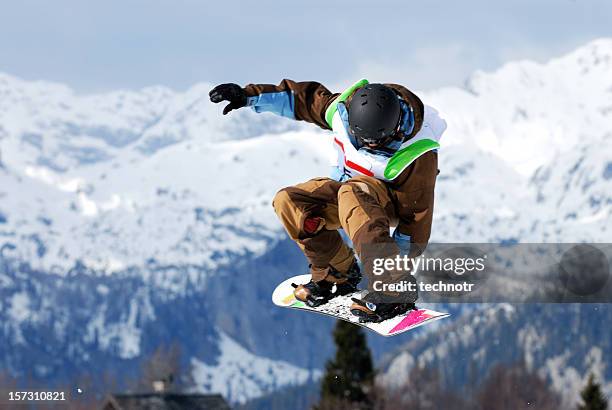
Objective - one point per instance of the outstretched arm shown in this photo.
(302, 101)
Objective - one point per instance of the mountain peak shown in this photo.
(600, 47)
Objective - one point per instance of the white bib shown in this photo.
(353, 162)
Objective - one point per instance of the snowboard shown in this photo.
(339, 307)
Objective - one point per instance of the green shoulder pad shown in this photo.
(406, 156)
(333, 107)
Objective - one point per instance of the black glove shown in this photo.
(229, 92)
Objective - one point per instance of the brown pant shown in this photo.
(362, 206)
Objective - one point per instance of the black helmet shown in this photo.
(374, 113)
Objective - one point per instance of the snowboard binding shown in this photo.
(373, 309)
(315, 294)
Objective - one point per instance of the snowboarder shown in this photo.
(387, 142)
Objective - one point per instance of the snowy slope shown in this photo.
(574, 194)
(239, 375)
(191, 203)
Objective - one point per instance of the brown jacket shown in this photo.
(413, 191)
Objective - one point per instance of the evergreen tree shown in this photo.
(592, 396)
(349, 376)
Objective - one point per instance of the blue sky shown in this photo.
(97, 46)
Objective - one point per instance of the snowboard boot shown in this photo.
(334, 284)
(377, 307)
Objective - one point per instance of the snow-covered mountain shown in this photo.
(157, 164)
(155, 199)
